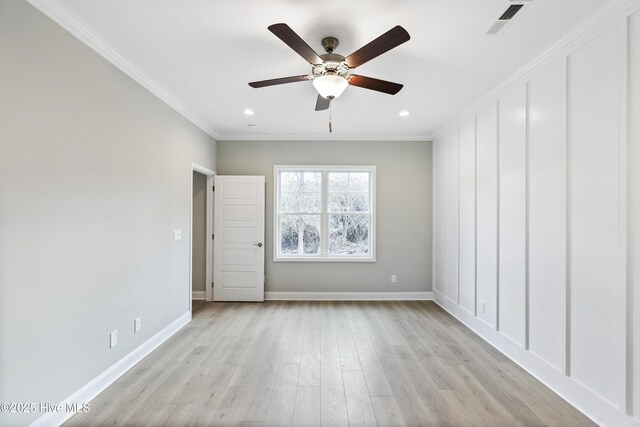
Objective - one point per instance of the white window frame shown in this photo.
(324, 216)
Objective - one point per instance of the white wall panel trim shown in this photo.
(633, 217)
(625, 297)
(498, 230)
(527, 203)
(602, 21)
(592, 359)
(458, 206)
(567, 288)
(475, 215)
(587, 401)
(597, 309)
(567, 283)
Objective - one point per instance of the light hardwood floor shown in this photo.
(327, 363)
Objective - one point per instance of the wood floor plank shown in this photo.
(359, 408)
(310, 360)
(387, 412)
(374, 375)
(293, 347)
(137, 392)
(333, 404)
(483, 408)
(327, 324)
(413, 411)
(436, 402)
(230, 408)
(283, 397)
(327, 363)
(504, 394)
(110, 398)
(307, 408)
(349, 360)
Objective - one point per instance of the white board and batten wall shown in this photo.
(536, 219)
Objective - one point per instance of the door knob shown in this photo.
(258, 245)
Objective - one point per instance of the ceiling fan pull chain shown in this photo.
(330, 128)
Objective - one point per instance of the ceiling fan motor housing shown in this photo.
(333, 64)
(330, 44)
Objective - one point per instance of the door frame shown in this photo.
(210, 174)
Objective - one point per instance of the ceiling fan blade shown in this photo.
(293, 40)
(375, 84)
(322, 103)
(280, 81)
(392, 38)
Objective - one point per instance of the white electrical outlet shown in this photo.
(177, 234)
(483, 307)
(137, 324)
(113, 339)
(394, 279)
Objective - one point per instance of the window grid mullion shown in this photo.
(349, 213)
(277, 239)
(324, 217)
(300, 213)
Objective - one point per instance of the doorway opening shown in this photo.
(201, 231)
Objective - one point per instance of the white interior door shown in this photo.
(239, 238)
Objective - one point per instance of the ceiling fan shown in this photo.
(330, 72)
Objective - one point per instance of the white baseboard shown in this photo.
(348, 296)
(198, 295)
(585, 400)
(104, 380)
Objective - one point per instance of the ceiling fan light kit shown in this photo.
(331, 72)
(330, 86)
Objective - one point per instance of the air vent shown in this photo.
(506, 16)
(510, 12)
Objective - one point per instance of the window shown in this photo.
(324, 213)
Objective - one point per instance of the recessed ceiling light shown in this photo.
(404, 113)
(248, 112)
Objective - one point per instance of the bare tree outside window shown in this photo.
(324, 212)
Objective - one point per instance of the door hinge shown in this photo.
(212, 237)
(212, 285)
(213, 188)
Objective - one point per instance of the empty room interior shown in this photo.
(296, 213)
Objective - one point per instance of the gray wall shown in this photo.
(403, 213)
(95, 174)
(199, 244)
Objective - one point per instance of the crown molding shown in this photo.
(324, 137)
(597, 24)
(62, 16)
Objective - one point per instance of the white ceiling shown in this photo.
(202, 53)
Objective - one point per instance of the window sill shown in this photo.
(324, 259)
